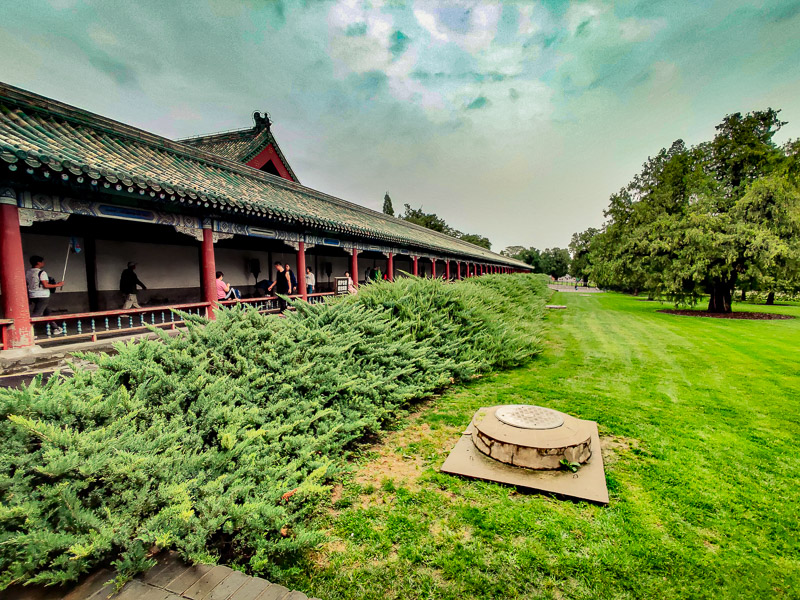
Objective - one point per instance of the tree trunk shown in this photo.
(720, 298)
(770, 298)
(744, 296)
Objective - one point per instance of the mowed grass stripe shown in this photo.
(702, 419)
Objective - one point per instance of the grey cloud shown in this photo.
(479, 102)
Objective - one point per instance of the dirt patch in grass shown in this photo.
(612, 446)
(321, 557)
(753, 316)
(390, 464)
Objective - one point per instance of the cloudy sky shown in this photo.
(515, 120)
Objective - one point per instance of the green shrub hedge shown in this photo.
(195, 442)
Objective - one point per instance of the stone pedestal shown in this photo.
(531, 436)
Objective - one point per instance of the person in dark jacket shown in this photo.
(128, 283)
(281, 285)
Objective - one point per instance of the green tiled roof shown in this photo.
(241, 145)
(47, 134)
(235, 146)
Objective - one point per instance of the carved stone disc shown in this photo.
(526, 416)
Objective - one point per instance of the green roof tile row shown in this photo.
(40, 131)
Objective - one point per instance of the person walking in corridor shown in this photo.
(128, 283)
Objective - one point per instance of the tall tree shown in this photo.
(579, 248)
(436, 223)
(388, 209)
(555, 262)
(531, 256)
(478, 240)
(427, 220)
(512, 251)
(698, 220)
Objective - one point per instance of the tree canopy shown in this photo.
(579, 248)
(704, 219)
(436, 223)
(553, 261)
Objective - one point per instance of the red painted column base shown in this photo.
(209, 271)
(12, 275)
(301, 270)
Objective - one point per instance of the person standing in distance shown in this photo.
(311, 281)
(128, 282)
(281, 285)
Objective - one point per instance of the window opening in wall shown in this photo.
(269, 167)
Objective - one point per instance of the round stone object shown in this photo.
(526, 442)
(528, 416)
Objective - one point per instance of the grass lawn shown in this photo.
(700, 426)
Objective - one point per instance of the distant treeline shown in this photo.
(552, 261)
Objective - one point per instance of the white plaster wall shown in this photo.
(54, 251)
(158, 266)
(235, 266)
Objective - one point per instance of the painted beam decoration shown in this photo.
(43, 207)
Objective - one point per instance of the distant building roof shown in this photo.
(37, 132)
(242, 145)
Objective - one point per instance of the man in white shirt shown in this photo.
(39, 287)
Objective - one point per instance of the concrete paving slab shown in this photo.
(228, 586)
(91, 585)
(187, 579)
(273, 592)
(252, 589)
(136, 590)
(18, 592)
(589, 483)
(203, 586)
(169, 566)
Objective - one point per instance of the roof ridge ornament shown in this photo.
(262, 120)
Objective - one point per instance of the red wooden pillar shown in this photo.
(301, 270)
(447, 270)
(416, 266)
(354, 267)
(458, 270)
(12, 275)
(390, 266)
(209, 271)
(433, 268)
